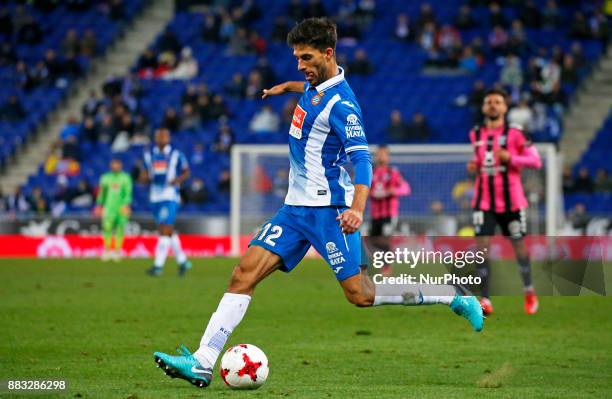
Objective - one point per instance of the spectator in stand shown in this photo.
(6, 26)
(426, 16)
(498, 40)
(224, 183)
(465, 20)
(89, 43)
(38, 202)
(71, 149)
(89, 130)
(522, 115)
(579, 218)
(190, 96)
(12, 110)
(172, 120)
(496, 16)
(295, 11)
(8, 56)
(427, 37)
(236, 87)
(227, 28)
(518, 38)
(551, 16)
(314, 9)
(268, 76)
(147, 63)
(72, 128)
(196, 193)
(361, 64)
(257, 43)
(579, 27)
(349, 32)
(579, 58)
(54, 66)
(568, 182)
(418, 128)
(217, 107)
(239, 43)
(346, 8)
(603, 182)
(190, 120)
(81, 196)
(107, 131)
(403, 30)
(225, 139)
(91, 105)
(17, 202)
(288, 110)
(168, 42)
(530, 15)
(187, 67)
(397, 130)
(40, 74)
(24, 78)
(569, 73)
(197, 157)
(280, 29)
(71, 43)
(72, 68)
(138, 171)
(583, 183)
(30, 32)
(511, 75)
(210, 29)
(468, 61)
(265, 121)
(547, 89)
(254, 85)
(600, 27)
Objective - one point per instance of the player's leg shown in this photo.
(484, 227)
(515, 228)
(161, 212)
(120, 224)
(108, 219)
(276, 246)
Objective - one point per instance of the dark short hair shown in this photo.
(499, 92)
(319, 33)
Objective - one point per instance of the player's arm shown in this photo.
(185, 171)
(525, 156)
(286, 87)
(345, 121)
(400, 186)
(101, 197)
(145, 176)
(127, 195)
(473, 164)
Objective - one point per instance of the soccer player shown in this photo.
(388, 185)
(501, 151)
(322, 207)
(166, 168)
(113, 204)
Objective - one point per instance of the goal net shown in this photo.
(439, 202)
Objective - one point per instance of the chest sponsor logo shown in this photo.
(160, 166)
(353, 127)
(115, 186)
(297, 122)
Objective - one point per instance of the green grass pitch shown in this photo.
(98, 324)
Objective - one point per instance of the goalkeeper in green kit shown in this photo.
(113, 204)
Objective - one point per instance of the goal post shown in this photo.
(436, 172)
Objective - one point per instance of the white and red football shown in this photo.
(244, 366)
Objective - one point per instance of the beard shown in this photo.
(493, 117)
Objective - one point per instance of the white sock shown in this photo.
(178, 249)
(229, 313)
(161, 251)
(416, 295)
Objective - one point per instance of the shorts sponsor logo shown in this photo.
(297, 122)
(514, 227)
(353, 127)
(334, 255)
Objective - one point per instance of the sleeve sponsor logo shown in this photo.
(297, 122)
(353, 127)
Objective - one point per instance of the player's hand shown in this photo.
(274, 91)
(503, 156)
(378, 194)
(126, 210)
(98, 211)
(350, 220)
(471, 167)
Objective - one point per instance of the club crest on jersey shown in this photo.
(316, 99)
(353, 127)
(297, 122)
(334, 255)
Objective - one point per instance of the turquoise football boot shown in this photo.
(184, 366)
(183, 268)
(469, 307)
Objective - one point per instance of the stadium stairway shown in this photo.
(116, 61)
(587, 114)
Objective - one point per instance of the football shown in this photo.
(244, 366)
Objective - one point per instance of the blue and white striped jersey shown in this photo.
(164, 166)
(326, 126)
